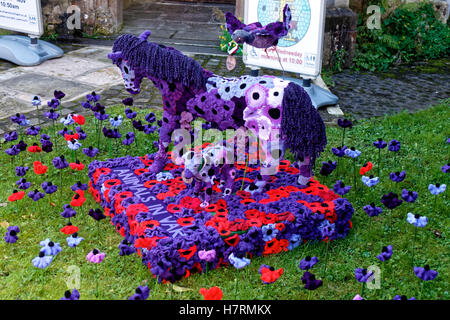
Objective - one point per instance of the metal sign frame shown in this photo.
(304, 72)
(38, 21)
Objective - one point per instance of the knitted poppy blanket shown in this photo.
(160, 216)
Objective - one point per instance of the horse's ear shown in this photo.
(115, 55)
(144, 35)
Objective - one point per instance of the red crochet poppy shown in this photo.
(188, 253)
(112, 182)
(150, 183)
(190, 203)
(39, 168)
(280, 226)
(270, 275)
(213, 293)
(254, 223)
(366, 168)
(247, 201)
(186, 221)
(150, 224)
(69, 137)
(243, 194)
(269, 218)
(174, 208)
(161, 196)
(79, 119)
(253, 214)
(224, 229)
(286, 216)
(147, 243)
(69, 229)
(211, 208)
(98, 172)
(133, 209)
(16, 195)
(232, 240)
(34, 149)
(272, 247)
(170, 166)
(76, 166)
(138, 172)
(78, 199)
(221, 203)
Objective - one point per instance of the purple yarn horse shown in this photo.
(269, 107)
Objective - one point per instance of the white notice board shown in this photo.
(22, 16)
(301, 50)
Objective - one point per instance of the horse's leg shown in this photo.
(305, 171)
(165, 136)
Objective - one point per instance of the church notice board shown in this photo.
(301, 50)
(21, 16)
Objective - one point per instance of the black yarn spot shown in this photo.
(274, 113)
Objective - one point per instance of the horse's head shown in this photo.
(132, 77)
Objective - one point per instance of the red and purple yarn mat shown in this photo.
(164, 221)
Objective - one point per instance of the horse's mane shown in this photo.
(160, 62)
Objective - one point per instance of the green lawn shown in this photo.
(424, 151)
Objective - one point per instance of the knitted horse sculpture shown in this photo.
(268, 106)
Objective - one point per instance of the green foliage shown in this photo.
(409, 33)
(225, 38)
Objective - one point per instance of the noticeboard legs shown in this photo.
(27, 51)
(319, 96)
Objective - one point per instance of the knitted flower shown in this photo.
(362, 275)
(425, 273)
(398, 297)
(385, 254)
(358, 297)
(96, 214)
(42, 261)
(68, 212)
(79, 119)
(78, 199)
(352, 153)
(53, 103)
(372, 210)
(74, 295)
(69, 229)
(397, 176)
(33, 130)
(150, 118)
(16, 195)
(49, 187)
(409, 196)
(77, 165)
(416, 220)
(93, 97)
(130, 114)
(36, 195)
(391, 200)
(446, 168)
(116, 121)
(370, 181)
(60, 162)
(308, 262)
(366, 168)
(213, 293)
(95, 256)
(340, 188)
(380, 144)
(339, 151)
(128, 101)
(394, 146)
(129, 139)
(125, 249)
(90, 152)
(269, 232)
(73, 144)
(67, 120)
(11, 234)
(101, 115)
(39, 168)
(23, 184)
(344, 123)
(238, 263)
(328, 167)
(269, 274)
(79, 186)
(141, 293)
(74, 240)
(51, 114)
(207, 255)
(50, 248)
(11, 136)
(437, 188)
(310, 282)
(58, 94)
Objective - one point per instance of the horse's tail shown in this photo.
(302, 127)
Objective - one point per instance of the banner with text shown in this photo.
(21, 16)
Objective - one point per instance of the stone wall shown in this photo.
(97, 16)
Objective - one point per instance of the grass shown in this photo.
(424, 150)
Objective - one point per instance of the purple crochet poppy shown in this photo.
(372, 210)
(21, 171)
(340, 188)
(425, 273)
(68, 212)
(96, 214)
(81, 134)
(74, 295)
(409, 196)
(13, 151)
(79, 186)
(53, 103)
(380, 144)
(33, 130)
(128, 101)
(11, 234)
(150, 118)
(101, 115)
(362, 275)
(35, 195)
(339, 151)
(58, 94)
(328, 167)
(391, 200)
(141, 293)
(129, 139)
(93, 97)
(97, 108)
(308, 262)
(20, 119)
(130, 114)
(125, 248)
(60, 162)
(11, 136)
(398, 297)
(394, 146)
(23, 184)
(310, 281)
(51, 114)
(386, 253)
(49, 187)
(149, 129)
(22, 145)
(397, 176)
(446, 168)
(137, 124)
(344, 123)
(90, 151)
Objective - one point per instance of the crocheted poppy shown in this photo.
(39, 168)
(308, 262)
(34, 148)
(370, 181)
(391, 200)
(77, 165)
(207, 255)
(238, 262)
(232, 240)
(50, 248)
(95, 256)
(425, 273)
(366, 168)
(35, 195)
(372, 210)
(74, 295)
(185, 222)
(74, 240)
(60, 162)
(437, 188)
(409, 196)
(49, 187)
(397, 176)
(328, 167)
(310, 282)
(213, 293)
(79, 119)
(16, 195)
(96, 214)
(68, 212)
(339, 151)
(188, 253)
(362, 275)
(69, 229)
(11, 234)
(269, 274)
(380, 144)
(141, 293)
(394, 146)
(386, 253)
(90, 151)
(417, 220)
(344, 123)
(42, 261)
(78, 199)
